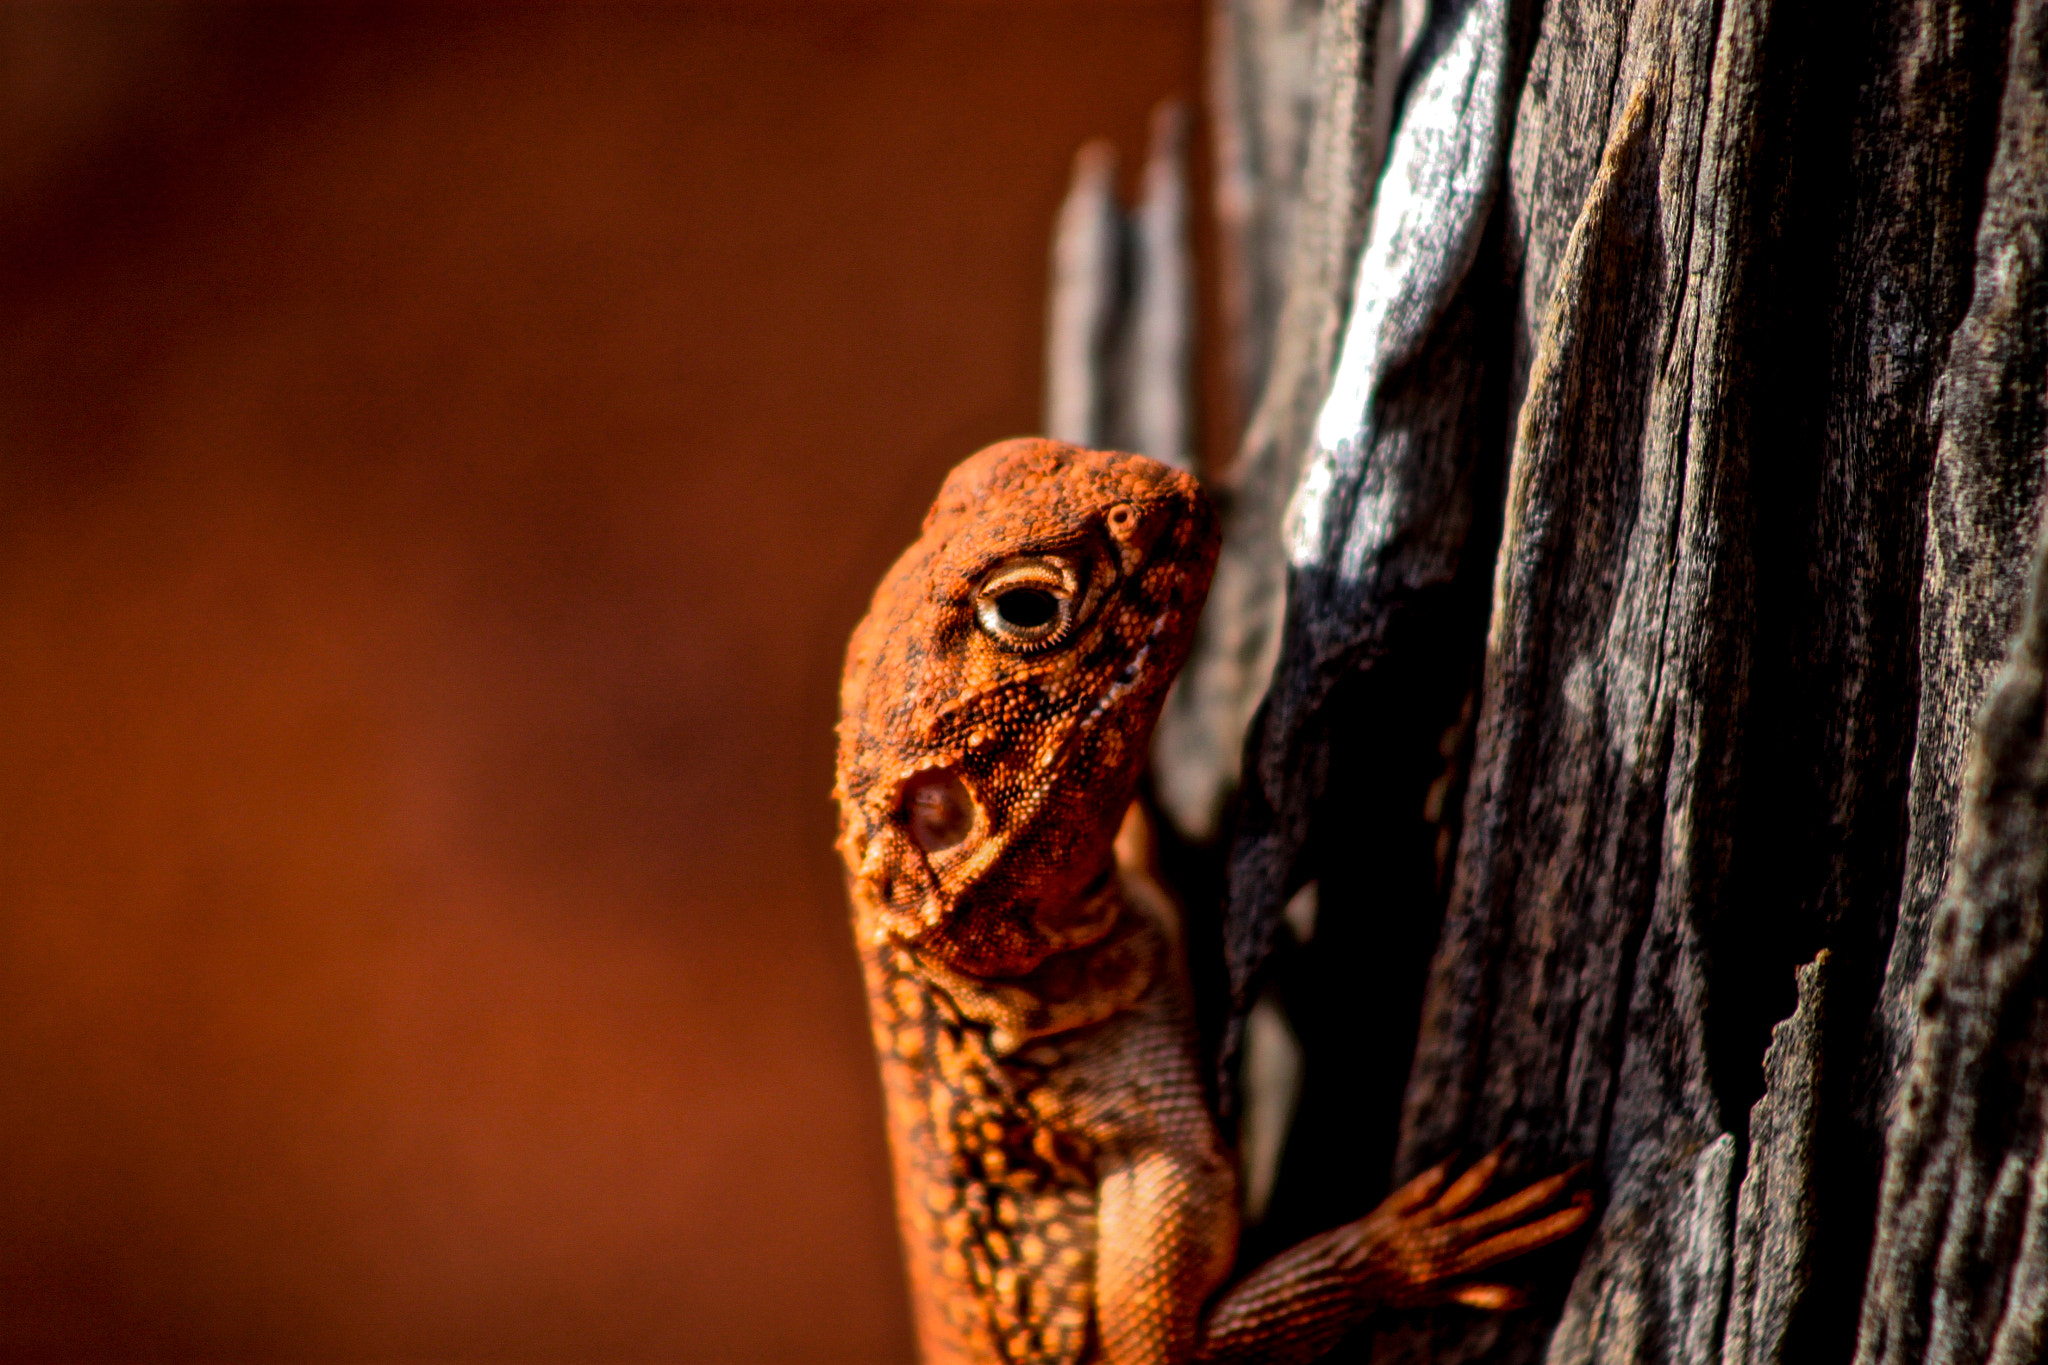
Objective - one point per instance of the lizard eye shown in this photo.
(1028, 604)
(1027, 608)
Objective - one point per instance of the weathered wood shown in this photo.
(1156, 413)
(1721, 293)
(1120, 318)
(1384, 508)
(1567, 1006)
(1960, 1267)
(1084, 312)
(1385, 613)
(1982, 503)
(1960, 1272)
(1262, 105)
(1774, 1213)
(1651, 981)
(1196, 752)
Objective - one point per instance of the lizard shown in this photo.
(1064, 1193)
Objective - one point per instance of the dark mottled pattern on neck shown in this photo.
(999, 1211)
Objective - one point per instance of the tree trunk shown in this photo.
(1712, 337)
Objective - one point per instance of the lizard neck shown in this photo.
(1068, 990)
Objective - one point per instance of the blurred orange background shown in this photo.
(442, 450)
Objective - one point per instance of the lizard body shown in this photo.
(1064, 1193)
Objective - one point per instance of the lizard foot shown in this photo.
(1416, 1250)
(1425, 1239)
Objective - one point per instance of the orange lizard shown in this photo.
(1064, 1192)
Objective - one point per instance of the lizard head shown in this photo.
(1000, 694)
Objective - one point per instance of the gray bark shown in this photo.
(1960, 1268)
(1120, 322)
(1356, 46)
(1384, 507)
(1262, 104)
(1617, 673)
(1084, 317)
(1983, 501)
(1774, 1220)
(1156, 416)
(1712, 337)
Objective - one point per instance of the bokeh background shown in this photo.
(442, 450)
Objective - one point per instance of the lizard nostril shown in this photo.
(937, 810)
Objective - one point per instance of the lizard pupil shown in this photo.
(1027, 608)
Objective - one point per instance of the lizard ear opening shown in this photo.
(936, 810)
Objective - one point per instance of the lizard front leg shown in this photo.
(1167, 1231)
(1168, 1211)
(1415, 1250)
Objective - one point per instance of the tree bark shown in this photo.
(1960, 1269)
(1313, 220)
(1712, 337)
(1805, 673)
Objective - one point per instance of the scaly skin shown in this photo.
(1064, 1193)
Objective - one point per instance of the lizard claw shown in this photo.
(1430, 1236)
(1492, 1297)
